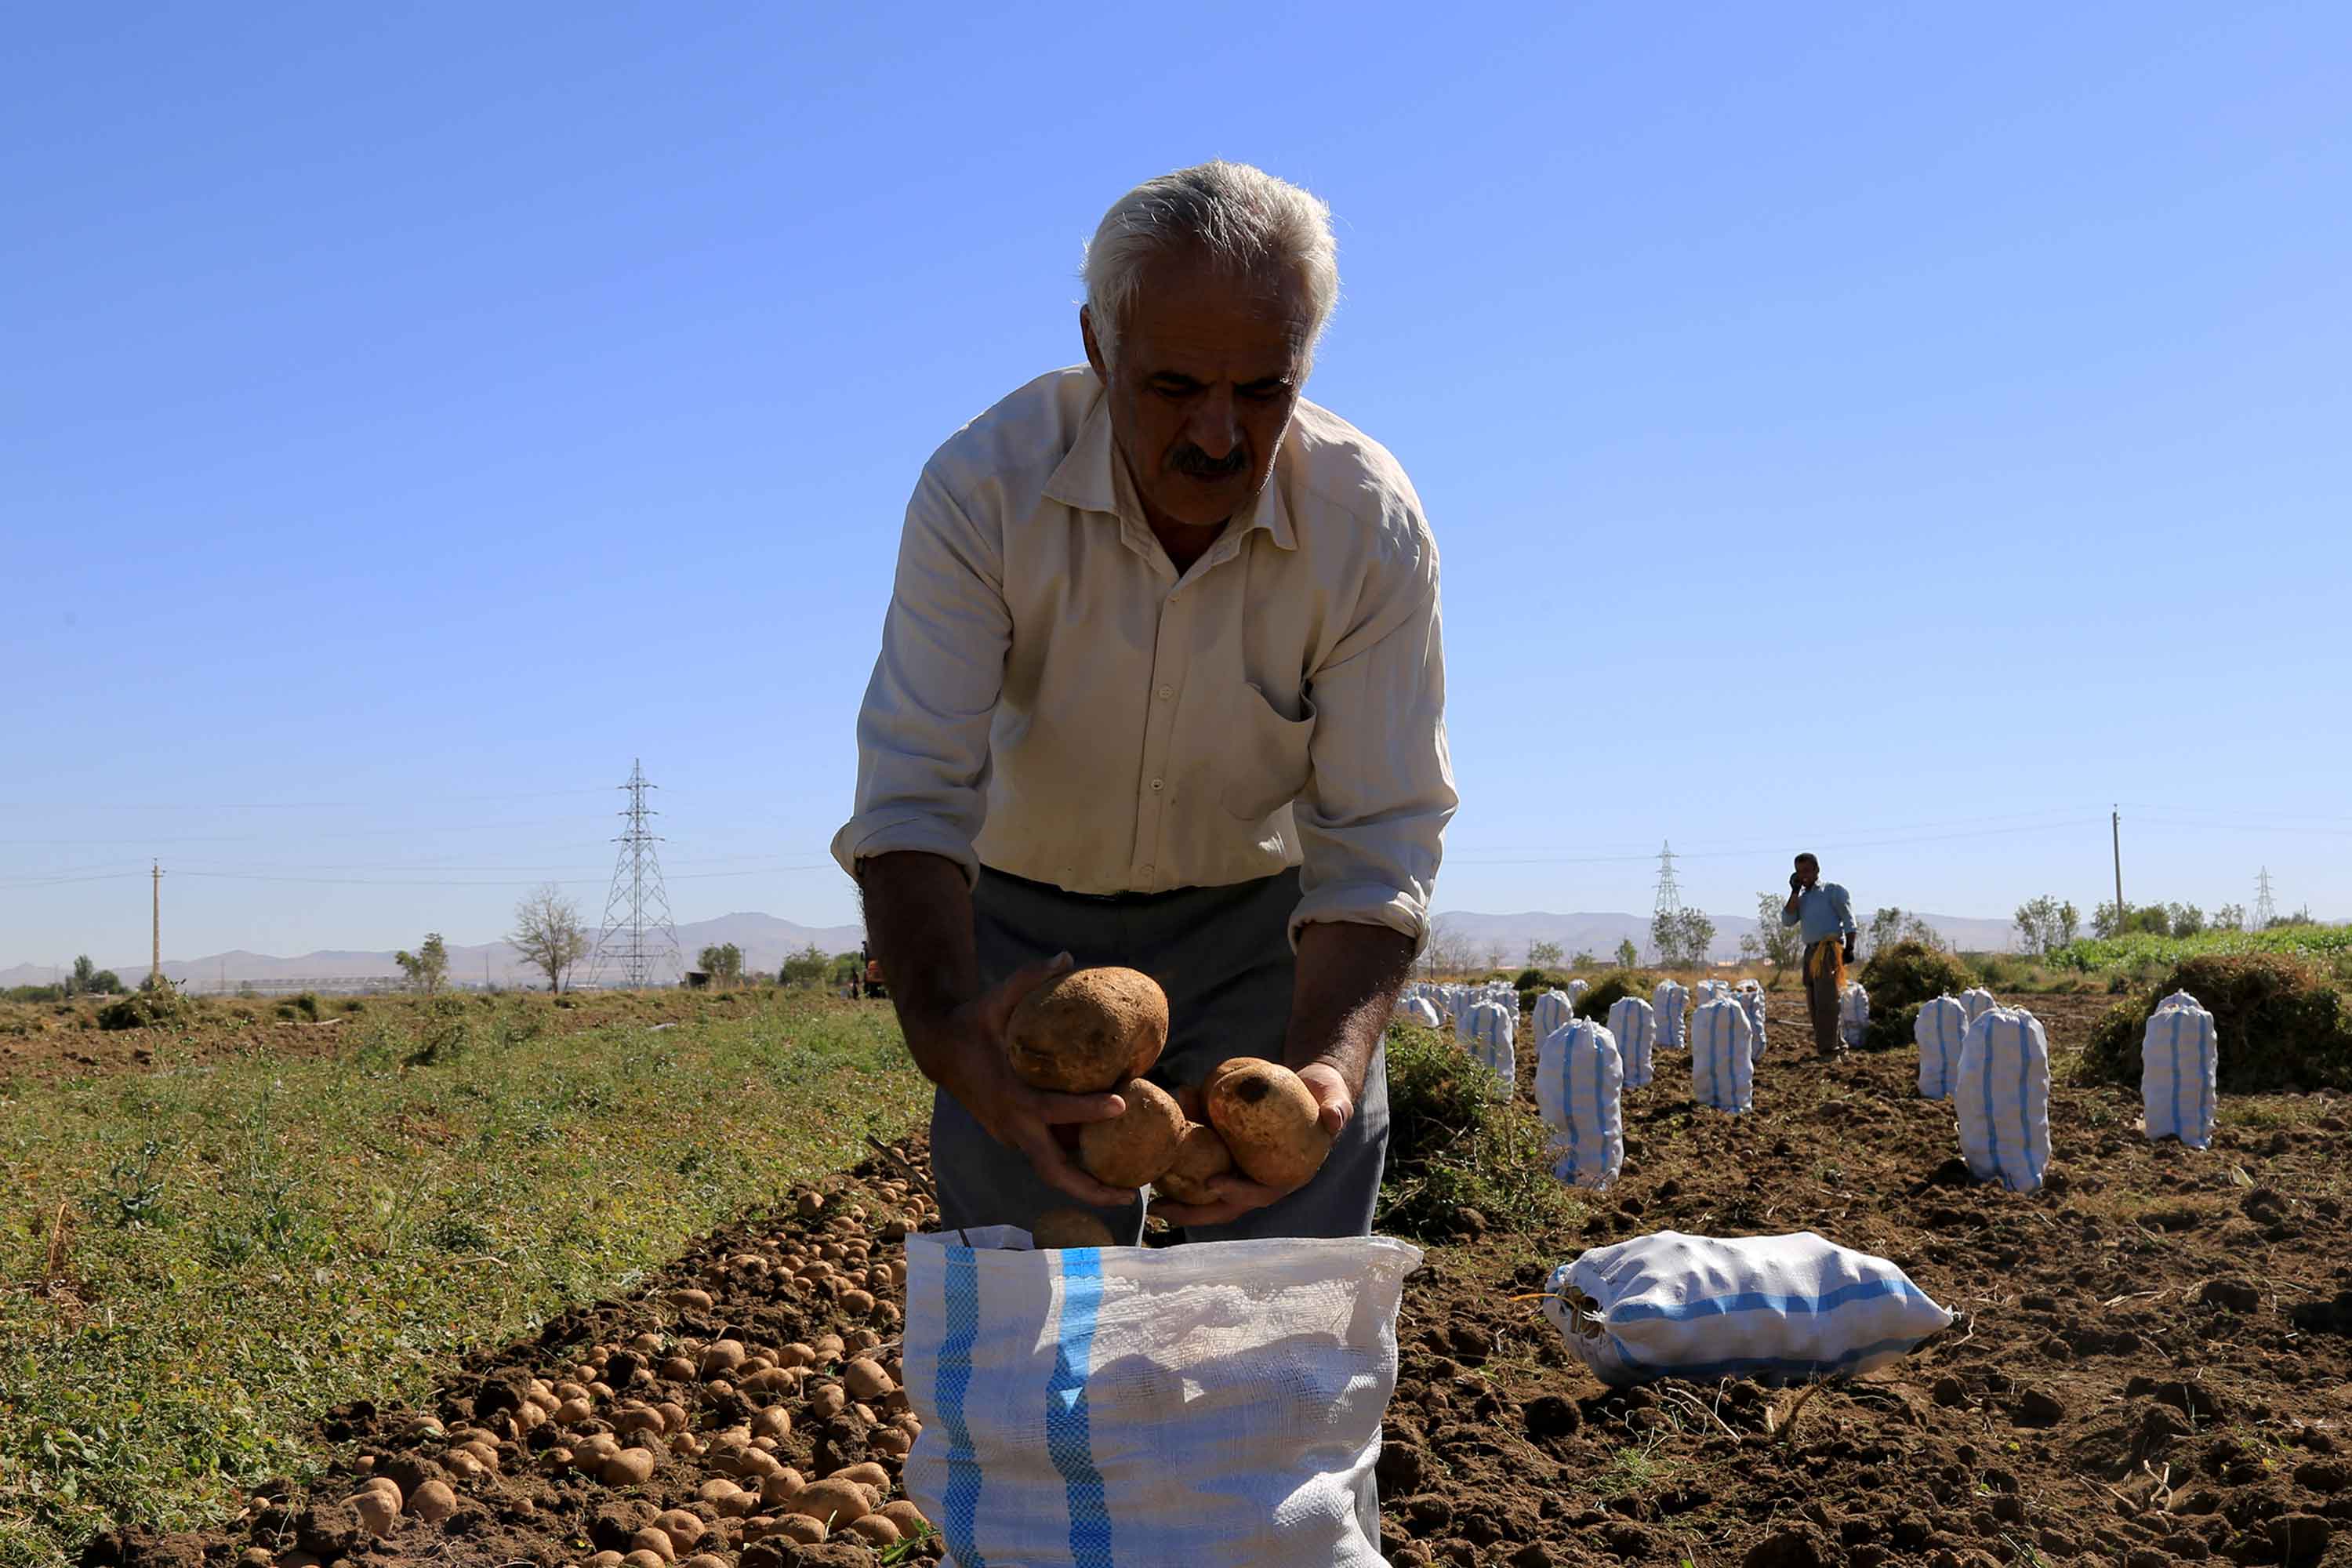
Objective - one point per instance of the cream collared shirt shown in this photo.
(1054, 700)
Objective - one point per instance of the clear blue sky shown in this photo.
(1902, 431)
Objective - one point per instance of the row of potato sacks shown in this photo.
(1992, 1063)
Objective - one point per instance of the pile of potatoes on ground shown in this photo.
(707, 1418)
(1095, 1031)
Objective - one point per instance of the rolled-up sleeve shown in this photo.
(1380, 792)
(922, 732)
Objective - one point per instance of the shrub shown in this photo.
(1613, 988)
(2283, 1024)
(148, 1010)
(1454, 1146)
(1891, 1028)
(1909, 972)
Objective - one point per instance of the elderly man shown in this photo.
(1160, 685)
(1826, 913)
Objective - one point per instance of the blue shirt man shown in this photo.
(1826, 913)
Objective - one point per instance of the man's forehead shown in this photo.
(1201, 313)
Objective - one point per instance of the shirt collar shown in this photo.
(1091, 478)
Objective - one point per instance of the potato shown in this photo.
(1058, 1228)
(379, 1510)
(1269, 1119)
(875, 1531)
(694, 1300)
(865, 1379)
(906, 1517)
(656, 1540)
(802, 1530)
(629, 1468)
(643, 1558)
(1199, 1154)
(865, 1473)
(684, 1529)
(433, 1501)
(1082, 1032)
(1134, 1147)
(775, 1421)
(780, 1488)
(836, 1500)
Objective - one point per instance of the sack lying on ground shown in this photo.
(1942, 1025)
(1768, 1307)
(1579, 1077)
(1853, 1015)
(1634, 1027)
(1979, 1002)
(1216, 1403)
(1490, 1042)
(1553, 1009)
(1417, 1010)
(2002, 1093)
(2180, 1060)
(1723, 1072)
(1672, 1004)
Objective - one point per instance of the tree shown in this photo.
(1544, 955)
(809, 967)
(1781, 946)
(88, 979)
(1888, 927)
(2186, 920)
(1681, 939)
(2044, 925)
(724, 964)
(550, 935)
(1628, 955)
(2230, 917)
(427, 965)
(1448, 951)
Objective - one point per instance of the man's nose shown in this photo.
(1213, 427)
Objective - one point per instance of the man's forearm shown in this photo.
(919, 920)
(1348, 979)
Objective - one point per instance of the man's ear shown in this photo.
(1094, 349)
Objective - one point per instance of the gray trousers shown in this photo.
(1222, 954)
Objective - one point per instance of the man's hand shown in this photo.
(1852, 947)
(964, 1054)
(1237, 1194)
(1796, 880)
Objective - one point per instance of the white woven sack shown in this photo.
(1576, 990)
(1417, 1010)
(1635, 1028)
(1751, 1002)
(1979, 1002)
(1490, 1042)
(1463, 1005)
(1723, 1069)
(1552, 1010)
(1579, 1082)
(1218, 1403)
(1942, 1025)
(2002, 1093)
(1853, 1014)
(1670, 1003)
(1768, 1307)
(2179, 1063)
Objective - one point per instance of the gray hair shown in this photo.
(1243, 218)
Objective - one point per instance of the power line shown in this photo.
(647, 942)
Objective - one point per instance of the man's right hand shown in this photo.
(964, 1053)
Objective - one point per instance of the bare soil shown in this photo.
(2154, 1363)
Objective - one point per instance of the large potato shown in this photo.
(1269, 1119)
(1083, 1032)
(1058, 1228)
(1199, 1154)
(1134, 1147)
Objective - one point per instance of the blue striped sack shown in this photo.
(1672, 1004)
(2002, 1094)
(1217, 1404)
(1723, 1072)
(2180, 1066)
(1635, 1028)
(1489, 1040)
(1580, 1085)
(1853, 1015)
(1941, 1025)
(1766, 1307)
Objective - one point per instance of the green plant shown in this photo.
(2281, 1021)
(1454, 1144)
(165, 1008)
(1904, 973)
(1613, 988)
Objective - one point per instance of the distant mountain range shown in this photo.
(766, 940)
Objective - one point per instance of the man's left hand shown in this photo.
(1851, 948)
(1237, 1194)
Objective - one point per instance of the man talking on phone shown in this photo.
(1827, 915)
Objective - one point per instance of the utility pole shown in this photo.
(155, 956)
(2116, 826)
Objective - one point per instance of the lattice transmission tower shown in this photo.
(1669, 906)
(2265, 910)
(638, 943)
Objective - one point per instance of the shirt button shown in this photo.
(1155, 786)
(1149, 871)
(1166, 692)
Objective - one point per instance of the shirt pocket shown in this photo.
(1269, 753)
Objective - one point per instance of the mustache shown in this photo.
(1193, 462)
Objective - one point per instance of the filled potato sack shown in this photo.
(1490, 1042)
(2002, 1093)
(1723, 1070)
(1580, 1080)
(1634, 1027)
(2180, 1061)
(1941, 1026)
(1671, 1003)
